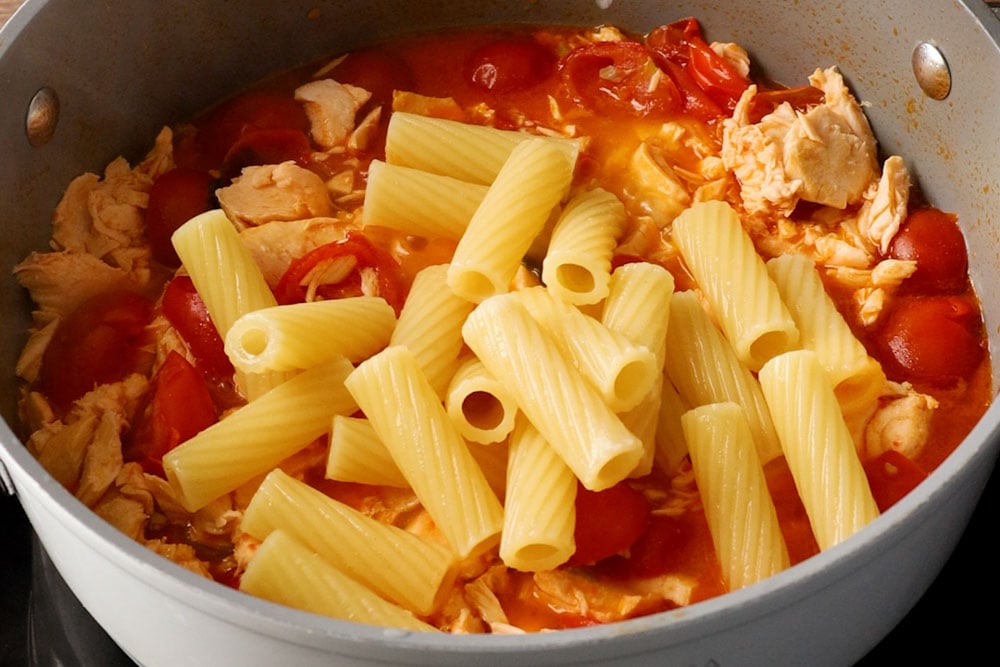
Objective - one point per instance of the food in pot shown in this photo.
(499, 329)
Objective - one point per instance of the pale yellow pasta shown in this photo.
(540, 511)
(430, 325)
(257, 437)
(228, 281)
(638, 305)
(358, 455)
(531, 183)
(622, 371)
(481, 406)
(285, 571)
(722, 259)
(577, 265)
(671, 445)
(492, 460)
(415, 573)
(556, 398)
(408, 416)
(818, 447)
(703, 366)
(301, 335)
(472, 153)
(419, 202)
(642, 420)
(855, 375)
(738, 507)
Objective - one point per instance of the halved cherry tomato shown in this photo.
(179, 407)
(891, 475)
(509, 64)
(377, 71)
(176, 196)
(934, 339)
(619, 79)
(252, 111)
(801, 98)
(98, 343)
(266, 147)
(607, 522)
(184, 309)
(290, 287)
(932, 239)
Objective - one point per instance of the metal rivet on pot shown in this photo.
(43, 116)
(931, 70)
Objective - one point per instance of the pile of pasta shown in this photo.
(593, 376)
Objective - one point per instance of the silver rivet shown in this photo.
(931, 70)
(43, 116)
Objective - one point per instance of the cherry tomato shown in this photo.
(619, 79)
(891, 476)
(176, 196)
(607, 522)
(377, 71)
(934, 339)
(98, 343)
(367, 255)
(257, 110)
(266, 147)
(184, 309)
(802, 98)
(179, 407)
(934, 241)
(509, 64)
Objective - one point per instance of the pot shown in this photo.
(120, 70)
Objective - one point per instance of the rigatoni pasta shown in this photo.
(357, 454)
(428, 449)
(481, 406)
(722, 258)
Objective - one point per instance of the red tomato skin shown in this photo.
(607, 522)
(614, 79)
(932, 339)
(178, 408)
(257, 110)
(98, 343)
(268, 146)
(377, 71)
(891, 476)
(932, 239)
(176, 196)
(187, 313)
(507, 65)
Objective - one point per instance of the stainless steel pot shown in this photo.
(120, 70)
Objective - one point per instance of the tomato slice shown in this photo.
(509, 64)
(607, 522)
(99, 343)
(179, 407)
(176, 196)
(366, 254)
(891, 476)
(187, 313)
(933, 339)
(932, 239)
(619, 79)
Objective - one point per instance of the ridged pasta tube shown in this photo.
(818, 447)
(577, 265)
(514, 211)
(565, 408)
(703, 366)
(738, 506)
(540, 512)
(481, 406)
(412, 572)
(285, 571)
(358, 455)
(724, 262)
(473, 153)
(622, 371)
(301, 335)
(260, 435)
(430, 325)
(419, 202)
(408, 416)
